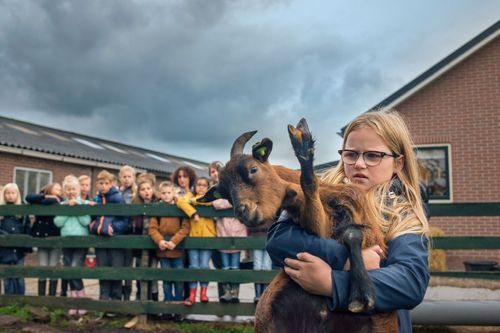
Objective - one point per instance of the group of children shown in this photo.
(183, 190)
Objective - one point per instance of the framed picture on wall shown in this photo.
(434, 164)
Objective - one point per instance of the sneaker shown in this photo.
(110, 314)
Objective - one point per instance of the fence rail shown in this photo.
(453, 210)
(144, 242)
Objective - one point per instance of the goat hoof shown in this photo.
(302, 141)
(356, 306)
(367, 304)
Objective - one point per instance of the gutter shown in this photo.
(60, 158)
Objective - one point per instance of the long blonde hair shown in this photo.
(400, 213)
(5, 188)
(124, 169)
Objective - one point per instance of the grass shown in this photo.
(59, 318)
(16, 310)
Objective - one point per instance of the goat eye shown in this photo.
(253, 170)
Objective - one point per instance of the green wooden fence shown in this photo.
(144, 242)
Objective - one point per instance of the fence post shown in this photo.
(145, 292)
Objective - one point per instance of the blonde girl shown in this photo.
(13, 224)
(74, 226)
(377, 155)
(128, 189)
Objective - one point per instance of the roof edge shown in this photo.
(104, 140)
(437, 70)
(441, 67)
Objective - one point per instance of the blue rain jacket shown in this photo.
(400, 283)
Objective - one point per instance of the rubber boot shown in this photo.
(52, 287)
(203, 295)
(42, 286)
(192, 297)
(235, 291)
(81, 293)
(73, 312)
(226, 293)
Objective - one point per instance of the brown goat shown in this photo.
(258, 191)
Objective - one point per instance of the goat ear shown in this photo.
(261, 150)
(211, 195)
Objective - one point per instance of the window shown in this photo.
(31, 180)
(434, 170)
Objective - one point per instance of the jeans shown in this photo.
(110, 289)
(261, 260)
(15, 286)
(74, 258)
(168, 292)
(230, 260)
(199, 259)
(49, 257)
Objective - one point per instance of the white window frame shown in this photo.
(449, 165)
(24, 189)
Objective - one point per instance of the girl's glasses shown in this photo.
(371, 158)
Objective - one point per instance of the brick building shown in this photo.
(453, 113)
(33, 156)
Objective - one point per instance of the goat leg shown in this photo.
(361, 289)
(313, 217)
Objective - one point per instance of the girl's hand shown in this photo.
(72, 202)
(92, 203)
(371, 257)
(171, 245)
(196, 217)
(311, 273)
(163, 245)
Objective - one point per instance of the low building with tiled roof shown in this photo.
(33, 155)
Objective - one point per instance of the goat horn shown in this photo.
(240, 142)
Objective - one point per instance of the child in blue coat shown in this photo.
(109, 226)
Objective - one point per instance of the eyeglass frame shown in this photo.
(382, 153)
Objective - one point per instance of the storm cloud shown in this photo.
(187, 77)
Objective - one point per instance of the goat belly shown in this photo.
(286, 308)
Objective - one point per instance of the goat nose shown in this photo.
(240, 210)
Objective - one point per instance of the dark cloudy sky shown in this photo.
(186, 77)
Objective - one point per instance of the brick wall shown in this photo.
(59, 169)
(462, 108)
